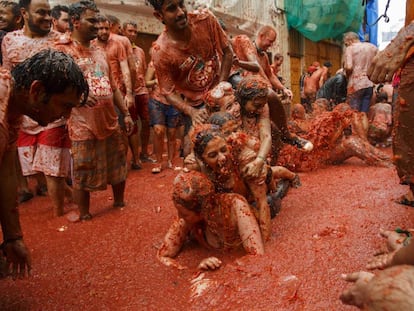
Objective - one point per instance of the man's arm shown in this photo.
(126, 77)
(386, 62)
(197, 115)
(226, 64)
(172, 244)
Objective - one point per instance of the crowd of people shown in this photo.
(78, 94)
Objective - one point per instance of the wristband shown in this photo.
(261, 158)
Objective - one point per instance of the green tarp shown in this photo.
(324, 19)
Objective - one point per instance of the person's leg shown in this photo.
(118, 191)
(403, 140)
(143, 112)
(82, 199)
(134, 141)
(159, 135)
(277, 114)
(158, 118)
(171, 144)
(173, 121)
(366, 99)
(115, 164)
(56, 188)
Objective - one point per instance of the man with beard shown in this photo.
(190, 57)
(117, 58)
(42, 149)
(99, 148)
(60, 19)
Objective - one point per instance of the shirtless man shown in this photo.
(45, 87)
(357, 59)
(338, 135)
(190, 56)
(311, 86)
(399, 54)
(99, 147)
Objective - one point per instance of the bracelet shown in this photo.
(407, 233)
(261, 158)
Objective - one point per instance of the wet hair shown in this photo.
(350, 36)
(202, 136)
(56, 70)
(156, 4)
(24, 4)
(113, 19)
(249, 88)
(102, 19)
(220, 118)
(132, 23)
(381, 97)
(191, 190)
(15, 8)
(78, 8)
(57, 11)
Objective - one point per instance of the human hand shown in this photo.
(386, 63)
(18, 257)
(381, 261)
(210, 263)
(236, 61)
(129, 124)
(199, 116)
(170, 262)
(395, 240)
(129, 100)
(356, 295)
(288, 93)
(254, 168)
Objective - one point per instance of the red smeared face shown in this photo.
(37, 17)
(173, 14)
(254, 107)
(216, 156)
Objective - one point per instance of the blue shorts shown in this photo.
(161, 114)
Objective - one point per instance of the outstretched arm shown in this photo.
(386, 62)
(173, 241)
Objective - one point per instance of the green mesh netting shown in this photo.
(324, 19)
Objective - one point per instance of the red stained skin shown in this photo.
(327, 227)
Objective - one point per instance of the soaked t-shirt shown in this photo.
(191, 70)
(115, 54)
(99, 121)
(138, 55)
(243, 47)
(358, 56)
(16, 48)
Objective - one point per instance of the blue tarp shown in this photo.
(368, 31)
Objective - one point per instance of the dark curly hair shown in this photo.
(56, 70)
